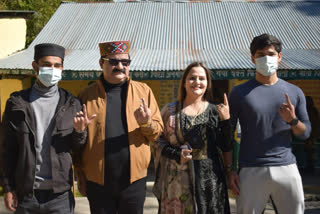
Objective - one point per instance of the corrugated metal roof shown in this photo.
(208, 1)
(170, 35)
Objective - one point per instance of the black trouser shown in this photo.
(129, 200)
(47, 202)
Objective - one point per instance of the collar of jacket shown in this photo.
(25, 95)
(101, 91)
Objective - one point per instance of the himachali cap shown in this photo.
(114, 47)
(48, 49)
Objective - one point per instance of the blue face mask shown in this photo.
(49, 76)
(266, 65)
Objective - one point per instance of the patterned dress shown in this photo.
(200, 185)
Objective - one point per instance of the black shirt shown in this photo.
(117, 156)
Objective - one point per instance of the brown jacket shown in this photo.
(92, 163)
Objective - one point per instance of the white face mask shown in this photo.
(49, 76)
(266, 65)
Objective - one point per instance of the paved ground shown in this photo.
(311, 185)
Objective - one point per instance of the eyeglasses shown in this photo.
(115, 62)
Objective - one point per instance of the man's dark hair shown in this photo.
(264, 40)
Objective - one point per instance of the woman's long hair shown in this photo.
(182, 90)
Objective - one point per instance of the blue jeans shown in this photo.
(47, 202)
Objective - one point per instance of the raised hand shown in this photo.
(81, 120)
(286, 110)
(223, 109)
(143, 113)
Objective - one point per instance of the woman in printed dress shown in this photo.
(190, 175)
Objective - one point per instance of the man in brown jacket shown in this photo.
(114, 163)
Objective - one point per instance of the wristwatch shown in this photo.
(293, 122)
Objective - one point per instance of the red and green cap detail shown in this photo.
(114, 47)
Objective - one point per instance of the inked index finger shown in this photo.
(144, 104)
(85, 110)
(225, 99)
(288, 99)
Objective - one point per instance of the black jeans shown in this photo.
(129, 200)
(47, 202)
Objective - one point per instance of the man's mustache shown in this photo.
(117, 70)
